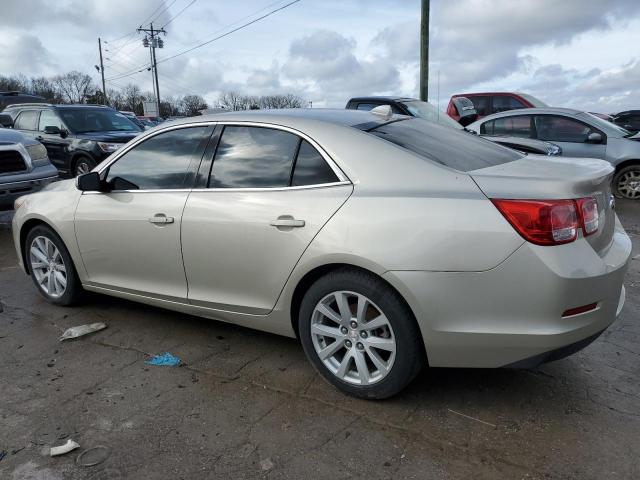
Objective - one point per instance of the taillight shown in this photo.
(550, 222)
(543, 222)
(588, 210)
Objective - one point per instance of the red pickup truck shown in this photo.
(494, 102)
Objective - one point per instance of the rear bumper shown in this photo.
(511, 315)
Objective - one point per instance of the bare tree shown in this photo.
(44, 87)
(233, 101)
(74, 87)
(14, 82)
(132, 98)
(191, 104)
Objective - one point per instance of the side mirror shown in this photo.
(52, 130)
(6, 121)
(89, 182)
(594, 138)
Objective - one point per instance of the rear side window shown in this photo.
(311, 168)
(457, 149)
(367, 106)
(27, 120)
(482, 104)
(502, 103)
(253, 157)
(516, 126)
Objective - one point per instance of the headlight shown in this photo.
(36, 152)
(18, 202)
(109, 147)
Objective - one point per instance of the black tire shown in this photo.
(619, 176)
(409, 355)
(73, 290)
(83, 165)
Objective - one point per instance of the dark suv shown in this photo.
(77, 137)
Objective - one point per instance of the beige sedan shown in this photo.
(383, 242)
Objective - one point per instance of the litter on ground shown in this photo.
(165, 360)
(62, 449)
(80, 330)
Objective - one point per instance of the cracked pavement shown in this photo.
(246, 404)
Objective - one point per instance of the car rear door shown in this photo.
(129, 237)
(569, 134)
(270, 191)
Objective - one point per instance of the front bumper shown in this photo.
(23, 184)
(513, 312)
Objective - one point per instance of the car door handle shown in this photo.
(287, 221)
(161, 219)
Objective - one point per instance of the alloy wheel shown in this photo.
(48, 266)
(629, 184)
(82, 167)
(353, 338)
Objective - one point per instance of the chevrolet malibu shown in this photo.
(383, 242)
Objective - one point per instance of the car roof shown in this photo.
(54, 105)
(388, 98)
(532, 111)
(292, 116)
(486, 93)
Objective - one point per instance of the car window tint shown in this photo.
(253, 157)
(367, 106)
(161, 162)
(27, 120)
(481, 103)
(454, 148)
(311, 168)
(49, 119)
(561, 129)
(502, 103)
(516, 126)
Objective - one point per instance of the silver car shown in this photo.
(578, 134)
(382, 242)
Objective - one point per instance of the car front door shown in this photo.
(56, 143)
(129, 237)
(569, 134)
(269, 193)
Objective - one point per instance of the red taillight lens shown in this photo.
(543, 222)
(588, 210)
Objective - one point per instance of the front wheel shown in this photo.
(83, 165)
(360, 335)
(51, 267)
(626, 182)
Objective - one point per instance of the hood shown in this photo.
(9, 136)
(113, 137)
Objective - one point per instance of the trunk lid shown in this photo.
(537, 177)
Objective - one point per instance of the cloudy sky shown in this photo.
(576, 53)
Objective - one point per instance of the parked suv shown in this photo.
(494, 102)
(77, 137)
(24, 166)
(15, 97)
(629, 120)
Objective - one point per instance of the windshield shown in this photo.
(453, 148)
(84, 120)
(608, 127)
(427, 111)
(533, 100)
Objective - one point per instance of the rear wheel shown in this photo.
(626, 182)
(83, 165)
(51, 267)
(360, 335)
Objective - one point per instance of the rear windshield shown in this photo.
(457, 149)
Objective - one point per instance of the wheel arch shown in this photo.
(316, 273)
(627, 163)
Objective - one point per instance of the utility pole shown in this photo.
(152, 41)
(104, 88)
(424, 52)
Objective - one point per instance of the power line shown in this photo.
(178, 14)
(229, 32)
(159, 13)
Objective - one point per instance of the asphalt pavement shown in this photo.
(245, 404)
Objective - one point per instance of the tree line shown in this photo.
(77, 87)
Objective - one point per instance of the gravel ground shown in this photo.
(247, 405)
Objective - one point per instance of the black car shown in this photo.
(14, 97)
(77, 137)
(629, 120)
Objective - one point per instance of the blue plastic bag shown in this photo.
(164, 360)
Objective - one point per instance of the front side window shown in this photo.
(49, 119)
(554, 128)
(253, 157)
(27, 120)
(502, 103)
(516, 126)
(161, 162)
